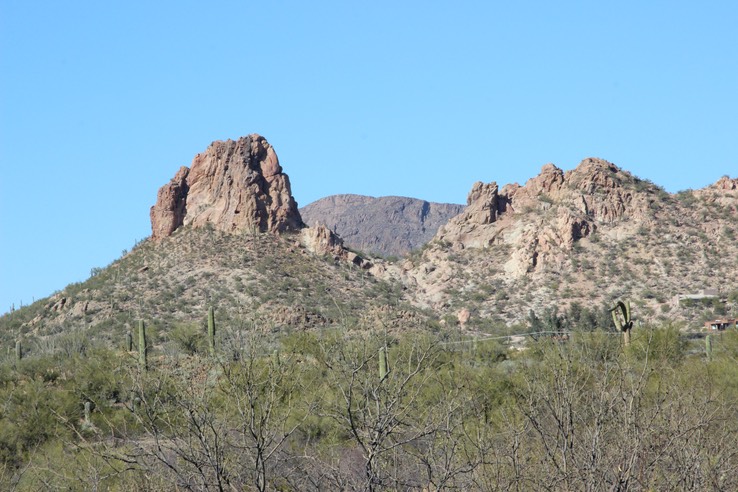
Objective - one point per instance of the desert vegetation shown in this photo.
(217, 357)
(316, 410)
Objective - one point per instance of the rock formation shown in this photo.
(389, 225)
(590, 236)
(320, 240)
(723, 193)
(726, 184)
(543, 219)
(233, 185)
(169, 211)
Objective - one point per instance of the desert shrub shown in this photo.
(189, 338)
(662, 344)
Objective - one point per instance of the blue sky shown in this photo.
(101, 102)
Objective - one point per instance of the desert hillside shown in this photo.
(590, 235)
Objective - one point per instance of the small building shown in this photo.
(720, 324)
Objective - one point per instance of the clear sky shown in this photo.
(101, 102)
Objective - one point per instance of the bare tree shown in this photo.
(622, 421)
(390, 419)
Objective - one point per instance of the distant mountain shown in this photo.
(388, 226)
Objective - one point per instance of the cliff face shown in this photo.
(233, 185)
(389, 226)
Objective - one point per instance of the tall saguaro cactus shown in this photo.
(18, 350)
(211, 330)
(708, 346)
(142, 345)
(383, 366)
(626, 323)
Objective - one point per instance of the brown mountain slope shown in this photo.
(267, 282)
(589, 235)
(388, 226)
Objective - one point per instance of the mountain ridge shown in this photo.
(229, 225)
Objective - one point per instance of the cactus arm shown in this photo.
(616, 320)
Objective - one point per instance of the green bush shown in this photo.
(189, 338)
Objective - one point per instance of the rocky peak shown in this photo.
(550, 179)
(481, 204)
(543, 219)
(723, 192)
(232, 185)
(169, 211)
(594, 174)
(726, 184)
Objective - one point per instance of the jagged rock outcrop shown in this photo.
(542, 220)
(723, 193)
(389, 226)
(320, 240)
(169, 211)
(233, 185)
(726, 184)
(482, 205)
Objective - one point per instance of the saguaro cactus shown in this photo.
(18, 350)
(142, 345)
(383, 366)
(129, 342)
(708, 347)
(211, 330)
(625, 324)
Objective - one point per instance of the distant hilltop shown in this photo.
(388, 226)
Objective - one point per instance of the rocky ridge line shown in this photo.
(570, 206)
